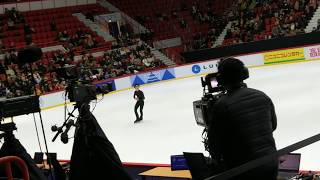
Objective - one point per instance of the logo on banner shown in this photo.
(206, 68)
(196, 69)
(314, 52)
(153, 76)
(284, 56)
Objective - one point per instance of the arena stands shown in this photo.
(44, 26)
(111, 64)
(268, 19)
(185, 19)
(198, 23)
(58, 27)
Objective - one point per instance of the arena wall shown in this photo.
(307, 53)
(43, 4)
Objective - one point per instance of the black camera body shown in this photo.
(212, 92)
(78, 90)
(84, 93)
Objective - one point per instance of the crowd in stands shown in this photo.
(216, 23)
(190, 20)
(8, 22)
(79, 38)
(255, 20)
(125, 60)
(202, 14)
(258, 20)
(129, 56)
(251, 20)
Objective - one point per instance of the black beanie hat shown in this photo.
(232, 70)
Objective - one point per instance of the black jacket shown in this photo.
(242, 126)
(139, 94)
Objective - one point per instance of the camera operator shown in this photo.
(242, 125)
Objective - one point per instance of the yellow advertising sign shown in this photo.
(284, 56)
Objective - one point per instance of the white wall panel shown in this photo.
(36, 5)
(71, 2)
(48, 4)
(81, 2)
(1, 9)
(60, 3)
(23, 6)
(9, 6)
(122, 83)
(92, 1)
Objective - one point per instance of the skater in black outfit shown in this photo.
(139, 96)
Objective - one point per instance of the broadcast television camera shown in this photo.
(78, 90)
(211, 93)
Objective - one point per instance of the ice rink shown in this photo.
(169, 126)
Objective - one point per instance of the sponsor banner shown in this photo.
(312, 52)
(153, 76)
(196, 69)
(211, 66)
(284, 56)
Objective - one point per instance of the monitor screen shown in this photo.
(214, 82)
(198, 113)
(178, 162)
(289, 162)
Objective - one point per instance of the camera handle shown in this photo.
(59, 129)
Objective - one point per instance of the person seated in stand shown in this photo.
(63, 36)
(60, 37)
(80, 33)
(10, 24)
(53, 25)
(2, 47)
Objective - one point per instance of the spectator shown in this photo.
(10, 24)
(148, 61)
(183, 23)
(80, 33)
(63, 36)
(53, 25)
(2, 47)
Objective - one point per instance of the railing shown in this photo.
(265, 159)
(7, 164)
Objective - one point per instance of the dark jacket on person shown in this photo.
(139, 94)
(242, 128)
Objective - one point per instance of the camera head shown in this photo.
(68, 72)
(231, 71)
(78, 90)
(7, 129)
(210, 81)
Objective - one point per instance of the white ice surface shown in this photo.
(169, 127)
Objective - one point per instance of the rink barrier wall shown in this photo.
(43, 4)
(292, 55)
(274, 44)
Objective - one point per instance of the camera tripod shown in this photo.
(13, 147)
(68, 123)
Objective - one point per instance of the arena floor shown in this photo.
(169, 126)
